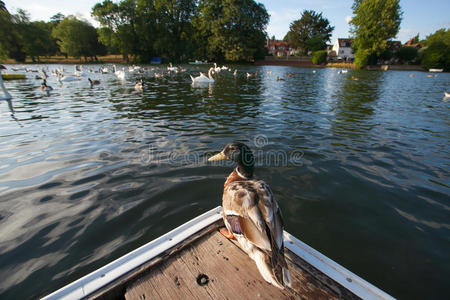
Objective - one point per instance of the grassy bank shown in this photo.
(341, 65)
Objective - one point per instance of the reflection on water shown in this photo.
(90, 173)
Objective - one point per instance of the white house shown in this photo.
(343, 49)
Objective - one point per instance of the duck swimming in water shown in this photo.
(139, 86)
(45, 87)
(252, 216)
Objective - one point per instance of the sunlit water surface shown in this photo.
(360, 169)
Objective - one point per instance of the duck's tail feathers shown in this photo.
(287, 279)
(192, 78)
(263, 263)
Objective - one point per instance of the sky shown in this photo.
(419, 16)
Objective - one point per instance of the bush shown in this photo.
(364, 57)
(319, 57)
(407, 54)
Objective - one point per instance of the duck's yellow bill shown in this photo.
(217, 157)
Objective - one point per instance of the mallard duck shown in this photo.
(252, 216)
(139, 86)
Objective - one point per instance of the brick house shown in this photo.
(279, 48)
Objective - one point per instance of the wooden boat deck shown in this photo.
(213, 267)
(194, 261)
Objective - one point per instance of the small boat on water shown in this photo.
(436, 70)
(195, 261)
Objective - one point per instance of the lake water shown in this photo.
(360, 169)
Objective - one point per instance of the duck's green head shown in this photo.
(240, 154)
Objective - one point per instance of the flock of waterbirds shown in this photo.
(80, 73)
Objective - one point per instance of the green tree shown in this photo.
(231, 29)
(174, 35)
(11, 40)
(310, 33)
(441, 35)
(126, 25)
(56, 18)
(77, 38)
(437, 52)
(374, 23)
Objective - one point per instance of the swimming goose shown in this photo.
(2, 85)
(45, 87)
(202, 78)
(93, 82)
(252, 216)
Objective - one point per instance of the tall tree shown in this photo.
(232, 29)
(77, 38)
(310, 33)
(11, 40)
(120, 21)
(375, 22)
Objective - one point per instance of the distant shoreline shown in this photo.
(118, 59)
(309, 64)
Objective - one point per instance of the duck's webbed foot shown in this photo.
(226, 233)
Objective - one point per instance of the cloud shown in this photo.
(348, 19)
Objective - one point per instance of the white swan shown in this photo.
(5, 91)
(104, 70)
(447, 94)
(119, 73)
(216, 68)
(63, 78)
(202, 78)
(79, 71)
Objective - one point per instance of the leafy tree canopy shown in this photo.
(311, 32)
(231, 29)
(374, 23)
(437, 53)
(77, 37)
